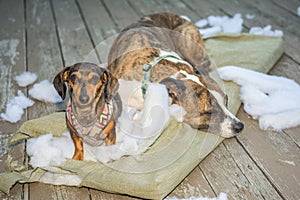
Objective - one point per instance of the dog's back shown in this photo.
(151, 36)
(143, 39)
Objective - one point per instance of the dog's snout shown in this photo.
(237, 127)
(84, 99)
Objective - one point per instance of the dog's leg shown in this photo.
(109, 133)
(111, 138)
(78, 154)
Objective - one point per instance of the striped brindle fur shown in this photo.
(188, 81)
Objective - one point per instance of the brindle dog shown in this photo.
(92, 91)
(188, 81)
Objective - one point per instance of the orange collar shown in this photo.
(91, 135)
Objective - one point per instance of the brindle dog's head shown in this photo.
(205, 109)
(89, 87)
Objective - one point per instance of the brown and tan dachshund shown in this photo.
(94, 104)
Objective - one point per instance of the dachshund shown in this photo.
(94, 104)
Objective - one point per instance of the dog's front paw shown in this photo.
(110, 139)
(78, 156)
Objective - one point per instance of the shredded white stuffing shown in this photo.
(250, 16)
(273, 100)
(15, 108)
(177, 112)
(45, 91)
(213, 25)
(218, 24)
(233, 25)
(211, 31)
(47, 150)
(222, 196)
(25, 79)
(201, 23)
(267, 30)
(216, 20)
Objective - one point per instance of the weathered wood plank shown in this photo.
(98, 195)
(258, 183)
(99, 23)
(203, 8)
(73, 36)
(225, 175)
(101, 26)
(12, 56)
(43, 191)
(120, 12)
(194, 185)
(276, 154)
(178, 7)
(12, 62)
(288, 68)
(290, 5)
(142, 8)
(64, 192)
(294, 134)
(44, 57)
(156, 6)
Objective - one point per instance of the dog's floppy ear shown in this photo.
(111, 85)
(59, 82)
(175, 88)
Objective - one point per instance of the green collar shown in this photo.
(147, 70)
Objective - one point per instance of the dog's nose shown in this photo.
(84, 99)
(237, 127)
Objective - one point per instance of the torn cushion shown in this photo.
(179, 149)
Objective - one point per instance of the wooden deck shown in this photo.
(42, 36)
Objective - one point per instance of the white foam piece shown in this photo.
(267, 31)
(233, 25)
(45, 91)
(201, 23)
(216, 20)
(208, 32)
(25, 79)
(250, 16)
(273, 100)
(15, 108)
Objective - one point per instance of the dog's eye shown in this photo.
(74, 79)
(210, 112)
(94, 80)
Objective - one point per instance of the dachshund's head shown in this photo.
(88, 84)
